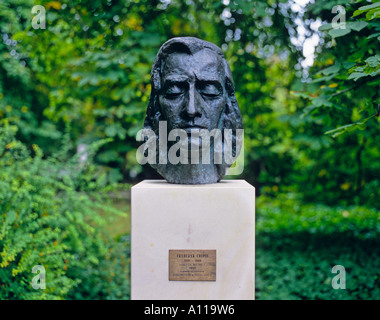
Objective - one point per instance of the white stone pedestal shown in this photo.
(217, 217)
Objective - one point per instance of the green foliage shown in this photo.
(286, 214)
(340, 113)
(49, 216)
(297, 245)
(352, 75)
(91, 67)
(89, 71)
(107, 280)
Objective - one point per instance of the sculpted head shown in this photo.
(192, 90)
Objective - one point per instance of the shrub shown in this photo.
(298, 244)
(49, 216)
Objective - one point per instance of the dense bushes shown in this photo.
(298, 244)
(49, 216)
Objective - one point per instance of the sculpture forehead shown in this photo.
(203, 64)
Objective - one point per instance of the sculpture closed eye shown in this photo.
(209, 90)
(192, 88)
(206, 90)
(175, 90)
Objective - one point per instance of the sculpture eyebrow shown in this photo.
(212, 81)
(207, 79)
(174, 81)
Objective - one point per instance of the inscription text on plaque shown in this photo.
(192, 265)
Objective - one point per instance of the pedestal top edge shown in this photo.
(164, 184)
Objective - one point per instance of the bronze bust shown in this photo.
(192, 98)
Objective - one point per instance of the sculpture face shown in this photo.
(192, 91)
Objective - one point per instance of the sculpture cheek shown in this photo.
(173, 107)
(215, 109)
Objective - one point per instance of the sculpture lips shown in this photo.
(188, 127)
(193, 127)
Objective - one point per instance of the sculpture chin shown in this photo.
(191, 173)
(192, 160)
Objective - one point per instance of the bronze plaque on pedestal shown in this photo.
(192, 265)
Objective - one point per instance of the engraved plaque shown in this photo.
(192, 265)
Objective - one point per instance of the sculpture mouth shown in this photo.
(192, 127)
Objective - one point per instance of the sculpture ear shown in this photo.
(156, 82)
(226, 116)
(157, 116)
(228, 108)
(153, 114)
(231, 115)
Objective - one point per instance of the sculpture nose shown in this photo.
(192, 109)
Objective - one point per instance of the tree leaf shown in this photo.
(321, 101)
(348, 65)
(325, 27)
(373, 61)
(373, 14)
(349, 127)
(332, 69)
(366, 8)
(326, 78)
(373, 35)
(357, 25)
(371, 6)
(335, 33)
(356, 75)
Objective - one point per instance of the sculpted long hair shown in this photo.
(231, 117)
